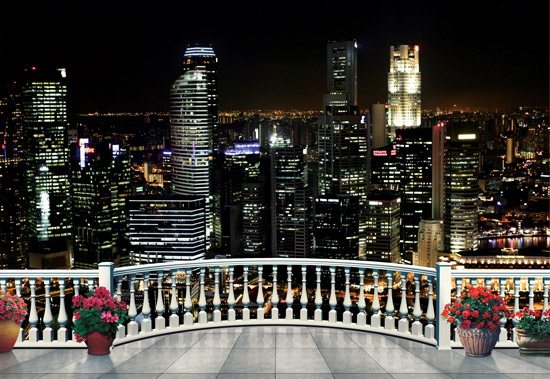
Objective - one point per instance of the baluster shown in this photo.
(503, 332)
(417, 311)
(389, 322)
(375, 318)
(532, 293)
(260, 297)
(76, 290)
(517, 284)
(488, 284)
(346, 319)
(473, 282)
(246, 298)
(21, 336)
(90, 282)
(318, 315)
(133, 328)
(332, 299)
(429, 332)
(62, 333)
(361, 304)
(33, 317)
(274, 297)
(188, 303)
(47, 333)
(203, 317)
(545, 295)
(289, 297)
(458, 288)
(303, 296)
(231, 315)
(160, 322)
(119, 289)
(3, 285)
(403, 324)
(146, 324)
(121, 330)
(217, 301)
(174, 320)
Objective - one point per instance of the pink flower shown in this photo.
(109, 318)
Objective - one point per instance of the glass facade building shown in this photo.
(382, 227)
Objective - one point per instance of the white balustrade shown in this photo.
(246, 298)
(403, 324)
(274, 296)
(429, 331)
(289, 294)
(231, 315)
(174, 320)
(21, 336)
(417, 312)
(318, 315)
(389, 322)
(146, 324)
(62, 318)
(303, 296)
(47, 333)
(375, 318)
(545, 295)
(260, 297)
(332, 299)
(203, 317)
(217, 301)
(532, 293)
(33, 317)
(346, 318)
(132, 310)
(361, 304)
(188, 302)
(160, 322)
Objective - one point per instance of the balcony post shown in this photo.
(389, 322)
(106, 270)
(146, 323)
(174, 320)
(332, 299)
(303, 295)
(260, 297)
(274, 297)
(361, 303)
(133, 328)
(289, 297)
(246, 298)
(217, 300)
(318, 315)
(443, 290)
(346, 319)
(375, 318)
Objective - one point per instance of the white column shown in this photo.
(403, 324)
(174, 320)
(47, 333)
(318, 315)
(473, 282)
(332, 299)
(289, 296)
(389, 322)
(105, 279)
(375, 318)
(246, 298)
(444, 287)
(3, 285)
(361, 304)
(90, 282)
(503, 337)
(62, 318)
(146, 324)
(417, 311)
(231, 316)
(33, 316)
(217, 301)
(429, 332)
(517, 284)
(260, 297)
(188, 303)
(346, 319)
(76, 290)
(21, 336)
(531, 293)
(160, 322)
(203, 317)
(488, 285)
(274, 297)
(458, 288)
(545, 295)
(133, 328)
(119, 289)
(303, 296)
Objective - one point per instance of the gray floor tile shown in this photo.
(188, 376)
(18, 356)
(149, 361)
(400, 362)
(333, 340)
(373, 340)
(538, 360)
(452, 361)
(297, 340)
(129, 376)
(199, 361)
(363, 376)
(420, 376)
(527, 376)
(300, 361)
(346, 361)
(261, 329)
(179, 340)
(250, 361)
(479, 376)
(99, 364)
(246, 376)
(20, 376)
(256, 341)
(69, 376)
(304, 376)
(218, 340)
(47, 363)
(292, 329)
(140, 344)
(504, 363)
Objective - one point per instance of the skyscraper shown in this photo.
(341, 92)
(403, 88)
(45, 121)
(382, 227)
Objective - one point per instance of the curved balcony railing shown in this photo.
(394, 299)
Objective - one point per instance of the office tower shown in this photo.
(385, 172)
(341, 92)
(100, 188)
(403, 88)
(193, 112)
(414, 152)
(13, 217)
(378, 118)
(44, 119)
(461, 186)
(167, 170)
(254, 218)
(382, 230)
(291, 206)
(438, 170)
(166, 228)
(430, 242)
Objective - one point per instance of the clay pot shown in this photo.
(478, 342)
(529, 344)
(99, 343)
(9, 330)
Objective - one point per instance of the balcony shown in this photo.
(322, 317)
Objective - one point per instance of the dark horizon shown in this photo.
(124, 57)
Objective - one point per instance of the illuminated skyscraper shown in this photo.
(403, 88)
(341, 93)
(382, 230)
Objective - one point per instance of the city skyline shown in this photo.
(124, 59)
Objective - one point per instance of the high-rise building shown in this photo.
(385, 172)
(461, 186)
(100, 188)
(341, 92)
(254, 218)
(403, 88)
(291, 205)
(382, 227)
(430, 242)
(166, 228)
(45, 121)
(378, 119)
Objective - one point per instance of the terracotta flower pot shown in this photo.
(9, 331)
(478, 342)
(529, 344)
(99, 343)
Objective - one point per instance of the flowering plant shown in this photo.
(97, 312)
(479, 308)
(535, 323)
(12, 307)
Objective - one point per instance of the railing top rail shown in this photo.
(21, 274)
(499, 273)
(166, 266)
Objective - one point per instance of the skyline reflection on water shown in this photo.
(542, 242)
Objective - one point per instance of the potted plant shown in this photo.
(477, 314)
(96, 320)
(533, 331)
(12, 310)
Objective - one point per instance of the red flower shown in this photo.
(480, 325)
(466, 324)
(451, 319)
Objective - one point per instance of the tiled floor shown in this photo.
(271, 352)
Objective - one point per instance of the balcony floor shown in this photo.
(271, 352)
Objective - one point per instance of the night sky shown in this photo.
(124, 56)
